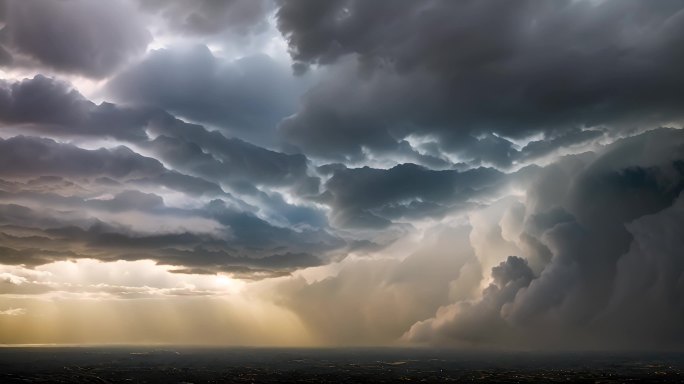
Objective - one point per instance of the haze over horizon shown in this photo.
(469, 174)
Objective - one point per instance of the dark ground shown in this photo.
(255, 365)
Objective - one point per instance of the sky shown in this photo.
(468, 174)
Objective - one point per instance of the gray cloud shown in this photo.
(595, 233)
(32, 237)
(200, 161)
(53, 107)
(246, 97)
(226, 159)
(74, 36)
(23, 156)
(473, 324)
(458, 71)
(50, 107)
(63, 215)
(367, 197)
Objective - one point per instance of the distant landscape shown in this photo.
(367, 365)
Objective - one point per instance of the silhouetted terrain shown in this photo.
(247, 365)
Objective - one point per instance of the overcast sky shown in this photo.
(475, 174)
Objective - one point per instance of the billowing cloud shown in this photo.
(457, 72)
(74, 36)
(594, 232)
(246, 97)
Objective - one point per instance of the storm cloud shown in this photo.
(72, 36)
(473, 174)
(459, 72)
(592, 231)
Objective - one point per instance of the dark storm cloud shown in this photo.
(105, 244)
(42, 99)
(239, 165)
(367, 197)
(603, 226)
(457, 71)
(23, 156)
(200, 162)
(229, 159)
(123, 201)
(246, 97)
(67, 183)
(74, 36)
(31, 256)
(570, 137)
(14, 214)
(29, 157)
(208, 17)
(50, 107)
(252, 231)
(650, 281)
(635, 177)
(34, 237)
(53, 107)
